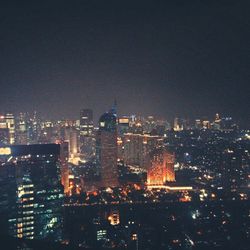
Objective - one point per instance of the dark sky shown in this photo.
(170, 58)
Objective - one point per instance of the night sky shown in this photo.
(185, 58)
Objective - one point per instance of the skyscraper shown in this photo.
(4, 131)
(7, 129)
(137, 147)
(106, 150)
(161, 167)
(64, 157)
(10, 121)
(31, 192)
(87, 139)
(71, 136)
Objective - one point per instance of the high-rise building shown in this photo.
(138, 146)
(149, 124)
(178, 124)
(123, 125)
(10, 121)
(161, 167)
(31, 192)
(22, 129)
(106, 150)
(4, 131)
(71, 136)
(64, 157)
(7, 129)
(234, 172)
(87, 138)
(28, 129)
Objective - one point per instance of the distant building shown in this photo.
(22, 129)
(234, 172)
(106, 150)
(178, 124)
(7, 129)
(31, 194)
(114, 217)
(64, 157)
(161, 167)
(123, 125)
(4, 131)
(71, 136)
(87, 138)
(10, 121)
(137, 147)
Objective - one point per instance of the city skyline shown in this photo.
(125, 125)
(154, 59)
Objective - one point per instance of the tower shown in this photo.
(106, 150)
(30, 185)
(161, 167)
(10, 121)
(87, 145)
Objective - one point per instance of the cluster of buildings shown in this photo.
(43, 162)
(35, 156)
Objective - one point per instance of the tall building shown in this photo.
(7, 129)
(87, 139)
(138, 146)
(64, 157)
(123, 125)
(161, 167)
(178, 124)
(4, 131)
(22, 129)
(234, 172)
(10, 121)
(71, 136)
(28, 128)
(31, 194)
(106, 150)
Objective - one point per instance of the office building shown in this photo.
(7, 129)
(138, 146)
(87, 138)
(10, 121)
(31, 194)
(106, 150)
(161, 167)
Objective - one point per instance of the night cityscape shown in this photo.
(125, 126)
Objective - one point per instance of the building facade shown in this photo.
(138, 146)
(31, 192)
(106, 150)
(161, 167)
(87, 138)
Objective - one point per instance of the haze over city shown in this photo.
(167, 59)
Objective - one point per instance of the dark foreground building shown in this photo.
(31, 194)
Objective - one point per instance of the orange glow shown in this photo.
(161, 168)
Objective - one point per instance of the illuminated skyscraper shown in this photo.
(10, 121)
(87, 139)
(4, 131)
(31, 192)
(106, 150)
(161, 167)
(71, 136)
